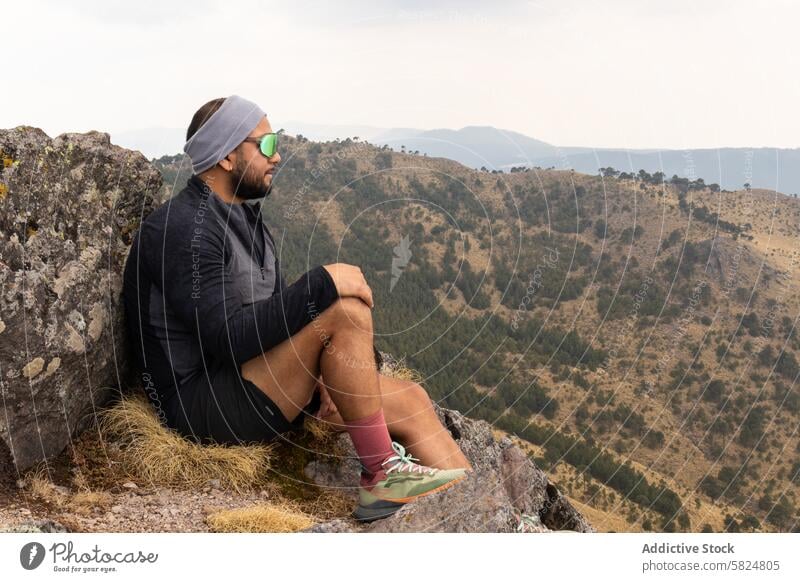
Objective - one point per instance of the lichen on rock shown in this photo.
(61, 304)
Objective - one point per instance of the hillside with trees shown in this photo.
(638, 331)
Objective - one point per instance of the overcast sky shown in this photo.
(621, 73)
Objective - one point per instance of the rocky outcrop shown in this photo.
(505, 489)
(69, 207)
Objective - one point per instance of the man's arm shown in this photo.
(197, 284)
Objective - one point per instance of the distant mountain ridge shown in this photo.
(498, 149)
(731, 168)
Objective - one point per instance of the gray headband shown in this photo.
(222, 132)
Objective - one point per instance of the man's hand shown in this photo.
(326, 406)
(350, 282)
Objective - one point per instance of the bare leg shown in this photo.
(338, 343)
(412, 422)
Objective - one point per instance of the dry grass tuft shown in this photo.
(85, 502)
(281, 517)
(80, 482)
(329, 505)
(320, 432)
(41, 487)
(402, 372)
(160, 456)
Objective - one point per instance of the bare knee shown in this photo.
(418, 396)
(351, 312)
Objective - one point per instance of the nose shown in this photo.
(275, 159)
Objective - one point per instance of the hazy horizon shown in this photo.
(621, 74)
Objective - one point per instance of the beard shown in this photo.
(246, 184)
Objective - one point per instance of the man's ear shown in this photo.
(227, 162)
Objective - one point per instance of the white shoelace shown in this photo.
(402, 461)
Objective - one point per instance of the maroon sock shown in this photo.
(372, 442)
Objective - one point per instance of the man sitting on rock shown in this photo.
(230, 353)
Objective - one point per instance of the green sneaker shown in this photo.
(402, 481)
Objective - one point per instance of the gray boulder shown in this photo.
(505, 486)
(69, 209)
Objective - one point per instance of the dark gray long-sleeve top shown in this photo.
(203, 286)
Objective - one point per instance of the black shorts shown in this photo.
(229, 410)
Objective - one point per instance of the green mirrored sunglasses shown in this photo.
(267, 143)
